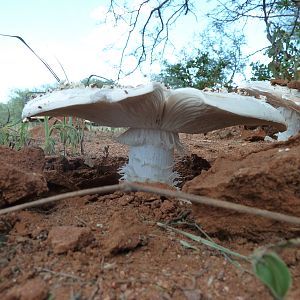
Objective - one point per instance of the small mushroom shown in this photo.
(155, 115)
(284, 99)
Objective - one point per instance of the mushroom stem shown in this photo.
(292, 119)
(151, 155)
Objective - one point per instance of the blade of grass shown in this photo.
(205, 242)
(42, 60)
(232, 261)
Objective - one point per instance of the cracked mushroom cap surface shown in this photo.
(152, 106)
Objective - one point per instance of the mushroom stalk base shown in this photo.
(151, 156)
(293, 121)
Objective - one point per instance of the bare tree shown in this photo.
(281, 19)
(153, 26)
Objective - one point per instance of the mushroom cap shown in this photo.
(276, 95)
(207, 111)
(108, 107)
(154, 107)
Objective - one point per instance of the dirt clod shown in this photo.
(33, 289)
(126, 233)
(65, 238)
(251, 181)
(21, 174)
(295, 84)
(73, 174)
(282, 82)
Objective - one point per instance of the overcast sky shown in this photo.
(71, 32)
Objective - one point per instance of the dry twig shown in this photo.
(133, 187)
(60, 274)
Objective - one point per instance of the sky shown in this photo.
(74, 33)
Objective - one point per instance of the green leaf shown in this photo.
(274, 273)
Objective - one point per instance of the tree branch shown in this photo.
(151, 37)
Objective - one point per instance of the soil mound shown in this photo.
(21, 174)
(268, 179)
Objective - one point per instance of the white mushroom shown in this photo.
(155, 116)
(286, 100)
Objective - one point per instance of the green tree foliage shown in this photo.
(284, 53)
(215, 64)
(4, 114)
(13, 132)
(282, 27)
(260, 71)
(199, 72)
(11, 111)
(16, 103)
(284, 36)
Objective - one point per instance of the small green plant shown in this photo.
(5, 135)
(49, 145)
(69, 135)
(14, 135)
(267, 266)
(24, 136)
